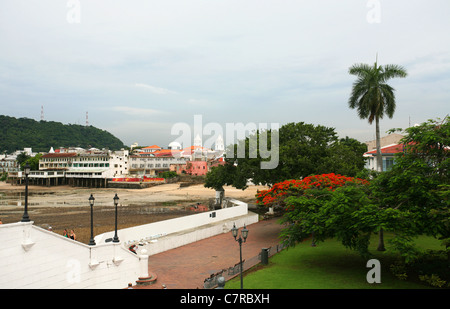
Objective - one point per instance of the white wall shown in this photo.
(169, 234)
(31, 257)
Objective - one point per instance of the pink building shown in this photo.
(197, 168)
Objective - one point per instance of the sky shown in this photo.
(139, 67)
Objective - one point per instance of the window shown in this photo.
(388, 162)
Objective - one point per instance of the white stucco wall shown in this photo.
(31, 257)
(169, 234)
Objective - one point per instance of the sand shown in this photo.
(65, 207)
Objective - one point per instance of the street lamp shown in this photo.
(116, 201)
(244, 234)
(91, 202)
(25, 217)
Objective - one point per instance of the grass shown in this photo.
(328, 266)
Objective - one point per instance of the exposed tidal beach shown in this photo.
(65, 207)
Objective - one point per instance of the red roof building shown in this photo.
(387, 152)
(390, 149)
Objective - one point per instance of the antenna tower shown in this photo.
(42, 112)
(87, 120)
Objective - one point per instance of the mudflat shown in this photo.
(65, 207)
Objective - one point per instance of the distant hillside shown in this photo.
(16, 134)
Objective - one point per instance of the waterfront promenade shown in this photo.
(188, 266)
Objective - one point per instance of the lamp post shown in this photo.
(91, 203)
(25, 217)
(116, 201)
(244, 234)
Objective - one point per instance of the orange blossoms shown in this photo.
(280, 190)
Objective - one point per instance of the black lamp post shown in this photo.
(25, 217)
(91, 202)
(244, 234)
(116, 201)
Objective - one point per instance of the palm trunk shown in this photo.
(379, 168)
(379, 157)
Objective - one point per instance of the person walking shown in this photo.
(65, 233)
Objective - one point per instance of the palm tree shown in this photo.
(373, 98)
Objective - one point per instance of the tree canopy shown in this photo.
(414, 194)
(303, 150)
(410, 200)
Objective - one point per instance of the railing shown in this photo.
(232, 271)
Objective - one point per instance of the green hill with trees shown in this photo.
(18, 133)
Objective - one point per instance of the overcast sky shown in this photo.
(140, 66)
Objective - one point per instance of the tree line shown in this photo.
(20, 133)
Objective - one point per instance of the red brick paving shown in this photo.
(188, 266)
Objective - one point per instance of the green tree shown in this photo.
(220, 176)
(303, 150)
(346, 213)
(22, 158)
(413, 195)
(33, 162)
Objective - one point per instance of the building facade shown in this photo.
(8, 164)
(152, 165)
(387, 154)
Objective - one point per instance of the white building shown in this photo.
(92, 164)
(8, 164)
(387, 156)
(147, 165)
(99, 164)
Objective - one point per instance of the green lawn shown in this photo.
(328, 266)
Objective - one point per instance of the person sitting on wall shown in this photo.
(73, 235)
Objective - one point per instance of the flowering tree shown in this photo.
(276, 195)
(326, 205)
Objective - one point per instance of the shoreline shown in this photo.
(65, 207)
(78, 196)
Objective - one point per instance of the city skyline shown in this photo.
(138, 69)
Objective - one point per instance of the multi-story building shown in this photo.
(99, 164)
(148, 151)
(8, 164)
(56, 161)
(83, 168)
(152, 165)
